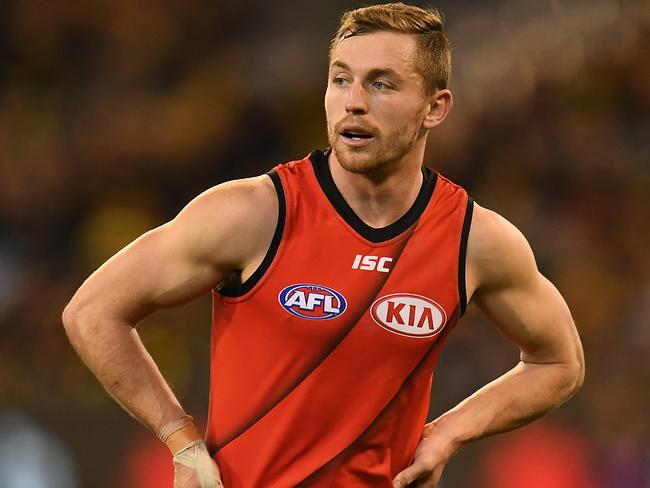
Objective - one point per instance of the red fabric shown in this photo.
(295, 400)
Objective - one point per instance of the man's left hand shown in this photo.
(429, 460)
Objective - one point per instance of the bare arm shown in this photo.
(529, 311)
(227, 228)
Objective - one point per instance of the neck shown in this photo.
(381, 199)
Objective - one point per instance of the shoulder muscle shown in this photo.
(227, 225)
(522, 303)
(498, 254)
(218, 232)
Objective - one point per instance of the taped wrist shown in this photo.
(195, 456)
(179, 434)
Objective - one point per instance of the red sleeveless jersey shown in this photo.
(321, 362)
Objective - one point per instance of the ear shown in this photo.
(440, 104)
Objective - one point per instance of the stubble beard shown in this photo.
(381, 155)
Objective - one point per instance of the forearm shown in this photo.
(523, 394)
(113, 351)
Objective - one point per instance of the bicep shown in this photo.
(217, 233)
(535, 317)
(157, 270)
(516, 297)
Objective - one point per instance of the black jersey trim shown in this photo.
(462, 255)
(237, 290)
(319, 161)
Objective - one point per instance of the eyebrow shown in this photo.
(373, 72)
(341, 64)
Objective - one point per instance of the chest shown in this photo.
(324, 283)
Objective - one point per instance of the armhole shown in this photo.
(242, 289)
(462, 255)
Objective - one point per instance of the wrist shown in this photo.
(446, 434)
(179, 434)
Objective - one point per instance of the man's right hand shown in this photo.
(194, 468)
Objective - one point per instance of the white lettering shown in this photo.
(368, 263)
(313, 300)
(371, 263)
(382, 266)
(329, 305)
(408, 314)
(298, 298)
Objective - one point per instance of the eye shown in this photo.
(380, 85)
(339, 81)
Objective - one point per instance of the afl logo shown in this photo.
(314, 302)
(408, 314)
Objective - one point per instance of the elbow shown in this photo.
(575, 375)
(78, 320)
(574, 381)
(579, 375)
(579, 367)
(86, 318)
(71, 319)
(574, 367)
(68, 317)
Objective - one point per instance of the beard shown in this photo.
(383, 153)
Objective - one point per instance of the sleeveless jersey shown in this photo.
(321, 362)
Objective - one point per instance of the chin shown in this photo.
(357, 160)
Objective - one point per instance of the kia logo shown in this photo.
(408, 314)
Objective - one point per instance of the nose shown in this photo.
(356, 102)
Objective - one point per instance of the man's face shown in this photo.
(375, 102)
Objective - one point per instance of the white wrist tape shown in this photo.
(179, 433)
(195, 456)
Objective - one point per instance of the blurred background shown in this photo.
(114, 114)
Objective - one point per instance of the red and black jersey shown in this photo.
(321, 362)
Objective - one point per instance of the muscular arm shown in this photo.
(227, 228)
(503, 278)
(529, 311)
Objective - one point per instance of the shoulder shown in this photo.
(498, 254)
(231, 221)
(240, 198)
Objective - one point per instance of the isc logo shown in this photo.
(408, 314)
(314, 302)
(370, 263)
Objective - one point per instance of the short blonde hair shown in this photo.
(433, 57)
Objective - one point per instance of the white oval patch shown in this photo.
(408, 314)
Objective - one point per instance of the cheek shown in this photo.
(328, 103)
(391, 105)
(393, 117)
(334, 108)
(331, 101)
(399, 115)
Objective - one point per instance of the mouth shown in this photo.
(356, 136)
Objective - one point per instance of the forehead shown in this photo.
(377, 50)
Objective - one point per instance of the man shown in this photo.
(335, 281)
